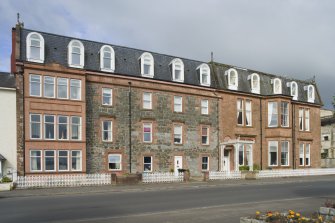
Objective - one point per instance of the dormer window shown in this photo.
(255, 84)
(76, 54)
(232, 79)
(147, 65)
(205, 78)
(277, 89)
(294, 90)
(107, 59)
(177, 70)
(310, 93)
(35, 47)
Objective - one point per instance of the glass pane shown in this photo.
(35, 153)
(147, 137)
(62, 165)
(62, 153)
(35, 163)
(75, 59)
(76, 153)
(177, 74)
(75, 120)
(49, 163)
(62, 119)
(146, 69)
(35, 130)
(62, 91)
(204, 140)
(147, 167)
(107, 63)
(35, 52)
(147, 159)
(114, 158)
(49, 131)
(76, 163)
(35, 89)
(35, 118)
(62, 133)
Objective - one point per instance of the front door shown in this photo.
(178, 164)
(226, 163)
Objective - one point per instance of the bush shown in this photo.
(244, 168)
(6, 180)
(256, 167)
(183, 170)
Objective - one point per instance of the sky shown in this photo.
(292, 38)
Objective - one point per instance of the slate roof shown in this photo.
(2, 157)
(328, 120)
(7, 80)
(127, 63)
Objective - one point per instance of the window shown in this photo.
(75, 89)
(177, 70)
(277, 88)
(240, 155)
(147, 132)
(205, 135)
(49, 126)
(147, 164)
(62, 88)
(273, 153)
(301, 119)
(63, 160)
(284, 153)
(147, 100)
(232, 79)
(76, 128)
(177, 134)
(205, 78)
(304, 119)
(76, 54)
(301, 154)
(107, 131)
(35, 85)
(63, 125)
(248, 150)
(76, 160)
(308, 155)
(114, 162)
(35, 47)
(204, 163)
(49, 87)
(49, 158)
(284, 119)
(294, 90)
(307, 120)
(255, 83)
(325, 138)
(248, 113)
(147, 65)
(310, 93)
(35, 160)
(35, 126)
(107, 95)
(239, 111)
(107, 59)
(204, 107)
(272, 114)
(178, 103)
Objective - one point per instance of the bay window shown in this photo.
(49, 87)
(248, 113)
(272, 114)
(62, 88)
(239, 111)
(284, 115)
(284, 153)
(273, 153)
(301, 154)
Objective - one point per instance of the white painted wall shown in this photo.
(8, 128)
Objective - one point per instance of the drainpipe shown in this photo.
(129, 115)
(261, 131)
(293, 136)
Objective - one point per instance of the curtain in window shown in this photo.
(248, 113)
(272, 114)
(301, 119)
(240, 111)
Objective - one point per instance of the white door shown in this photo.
(225, 160)
(178, 164)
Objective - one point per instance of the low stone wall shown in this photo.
(328, 163)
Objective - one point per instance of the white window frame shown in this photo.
(80, 160)
(144, 163)
(147, 125)
(294, 85)
(120, 156)
(30, 84)
(255, 89)
(79, 128)
(71, 85)
(67, 127)
(204, 69)
(67, 88)
(81, 56)
(111, 96)
(240, 110)
(202, 163)
(45, 161)
(204, 107)
(308, 154)
(310, 93)
(28, 45)
(301, 119)
(30, 160)
(240, 149)
(307, 119)
(67, 157)
(231, 84)
(109, 132)
(284, 115)
(288, 153)
(276, 82)
(181, 134)
(147, 101)
(270, 113)
(275, 143)
(176, 103)
(40, 126)
(207, 142)
(248, 112)
(54, 86)
(54, 124)
(177, 62)
(302, 154)
(112, 59)
(147, 58)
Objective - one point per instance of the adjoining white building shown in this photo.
(327, 138)
(8, 139)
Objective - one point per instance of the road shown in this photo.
(214, 203)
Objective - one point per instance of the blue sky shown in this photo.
(293, 38)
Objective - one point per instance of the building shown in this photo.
(8, 157)
(96, 107)
(327, 138)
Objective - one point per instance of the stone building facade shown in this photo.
(327, 138)
(86, 106)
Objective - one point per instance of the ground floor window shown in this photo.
(301, 154)
(305, 154)
(308, 155)
(114, 161)
(240, 155)
(63, 160)
(49, 160)
(76, 160)
(147, 163)
(284, 153)
(35, 160)
(273, 153)
(205, 162)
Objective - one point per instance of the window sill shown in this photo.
(76, 66)
(35, 60)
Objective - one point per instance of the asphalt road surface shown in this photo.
(215, 203)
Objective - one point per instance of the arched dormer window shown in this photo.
(277, 89)
(35, 47)
(255, 83)
(294, 90)
(76, 53)
(205, 74)
(177, 70)
(232, 79)
(310, 93)
(147, 65)
(107, 59)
